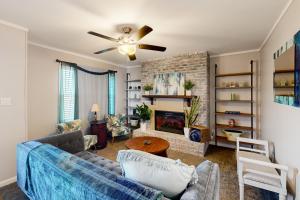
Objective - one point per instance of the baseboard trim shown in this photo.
(8, 181)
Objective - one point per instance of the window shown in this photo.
(68, 93)
(111, 93)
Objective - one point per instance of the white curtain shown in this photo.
(91, 89)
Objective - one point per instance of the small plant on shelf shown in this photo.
(144, 113)
(191, 115)
(188, 85)
(148, 88)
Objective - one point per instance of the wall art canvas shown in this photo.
(169, 84)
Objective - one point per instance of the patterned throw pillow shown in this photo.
(69, 126)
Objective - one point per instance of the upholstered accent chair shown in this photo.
(116, 125)
(255, 168)
(75, 125)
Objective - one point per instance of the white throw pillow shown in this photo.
(164, 174)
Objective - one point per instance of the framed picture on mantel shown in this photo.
(169, 83)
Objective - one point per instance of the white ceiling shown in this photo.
(217, 26)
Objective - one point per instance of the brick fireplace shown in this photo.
(195, 67)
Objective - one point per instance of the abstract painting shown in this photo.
(169, 84)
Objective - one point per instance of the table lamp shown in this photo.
(95, 109)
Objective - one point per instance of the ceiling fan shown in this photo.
(127, 43)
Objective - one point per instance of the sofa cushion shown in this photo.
(207, 186)
(70, 142)
(100, 161)
(169, 176)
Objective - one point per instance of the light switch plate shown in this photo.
(5, 101)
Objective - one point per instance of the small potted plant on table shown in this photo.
(188, 85)
(144, 113)
(148, 88)
(191, 115)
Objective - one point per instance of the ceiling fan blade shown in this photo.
(105, 50)
(132, 57)
(103, 36)
(142, 32)
(151, 47)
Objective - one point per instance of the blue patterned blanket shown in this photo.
(48, 173)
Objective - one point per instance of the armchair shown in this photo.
(255, 169)
(116, 125)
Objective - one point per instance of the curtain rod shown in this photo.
(85, 70)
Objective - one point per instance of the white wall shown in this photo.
(135, 72)
(280, 123)
(12, 85)
(43, 87)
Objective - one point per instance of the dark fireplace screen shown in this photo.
(169, 121)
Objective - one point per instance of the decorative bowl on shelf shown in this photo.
(232, 134)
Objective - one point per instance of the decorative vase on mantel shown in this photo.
(186, 131)
(188, 93)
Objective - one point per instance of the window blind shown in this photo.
(68, 102)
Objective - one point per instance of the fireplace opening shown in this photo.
(169, 121)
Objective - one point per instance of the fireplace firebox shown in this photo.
(169, 121)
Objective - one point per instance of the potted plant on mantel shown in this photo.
(144, 113)
(188, 85)
(148, 88)
(191, 115)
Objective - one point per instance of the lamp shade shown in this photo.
(95, 108)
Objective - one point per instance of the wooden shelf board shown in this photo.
(130, 81)
(224, 139)
(289, 87)
(135, 99)
(133, 90)
(224, 126)
(241, 114)
(169, 96)
(285, 95)
(283, 71)
(188, 99)
(242, 101)
(234, 74)
(229, 88)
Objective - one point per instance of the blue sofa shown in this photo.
(207, 187)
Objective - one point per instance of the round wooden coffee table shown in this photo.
(149, 144)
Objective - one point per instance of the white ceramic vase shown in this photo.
(188, 92)
(186, 131)
(143, 126)
(147, 92)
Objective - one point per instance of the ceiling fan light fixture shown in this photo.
(127, 49)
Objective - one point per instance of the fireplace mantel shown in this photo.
(185, 98)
